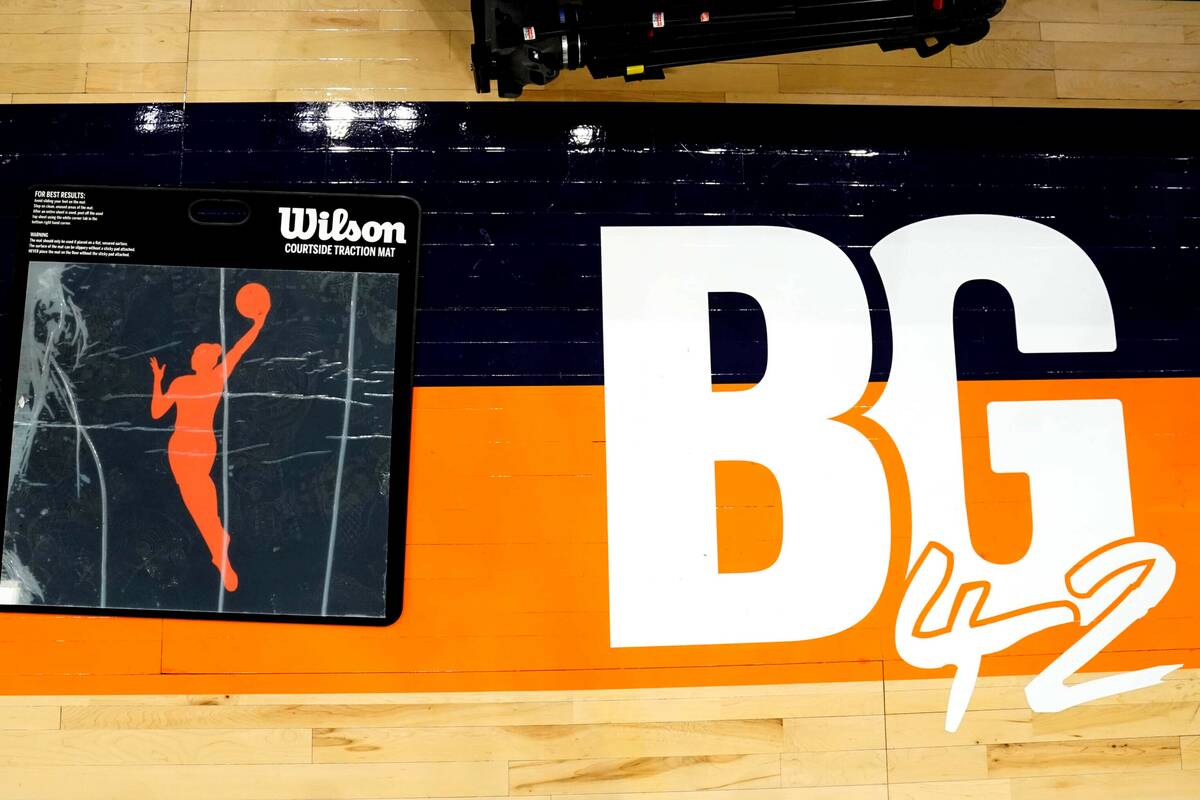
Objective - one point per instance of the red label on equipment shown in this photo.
(530, 33)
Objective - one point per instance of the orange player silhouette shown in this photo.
(193, 446)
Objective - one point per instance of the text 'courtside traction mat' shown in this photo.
(210, 396)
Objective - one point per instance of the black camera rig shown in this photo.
(522, 42)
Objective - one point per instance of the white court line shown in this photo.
(224, 447)
(337, 487)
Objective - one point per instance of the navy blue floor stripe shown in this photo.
(514, 198)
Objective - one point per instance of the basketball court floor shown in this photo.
(500, 680)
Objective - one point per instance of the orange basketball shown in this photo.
(253, 300)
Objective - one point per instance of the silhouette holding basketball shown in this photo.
(192, 450)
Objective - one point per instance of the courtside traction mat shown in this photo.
(211, 397)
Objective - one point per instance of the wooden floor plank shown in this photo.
(1136, 11)
(597, 776)
(331, 5)
(541, 742)
(133, 78)
(1031, 759)
(1102, 84)
(29, 718)
(244, 76)
(72, 48)
(817, 98)
(984, 698)
(358, 20)
(834, 768)
(1177, 785)
(135, 98)
(312, 716)
(58, 78)
(296, 782)
(1090, 32)
(1004, 54)
(1124, 56)
(317, 44)
(937, 764)
(992, 697)
(953, 790)
(1053, 10)
(978, 727)
(1119, 722)
(87, 7)
(421, 20)
(876, 792)
(101, 748)
(1014, 725)
(958, 82)
(825, 734)
(855, 701)
(94, 23)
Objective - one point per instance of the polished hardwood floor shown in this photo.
(1128, 53)
(845, 741)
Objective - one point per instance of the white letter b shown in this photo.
(666, 428)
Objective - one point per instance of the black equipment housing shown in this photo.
(523, 42)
